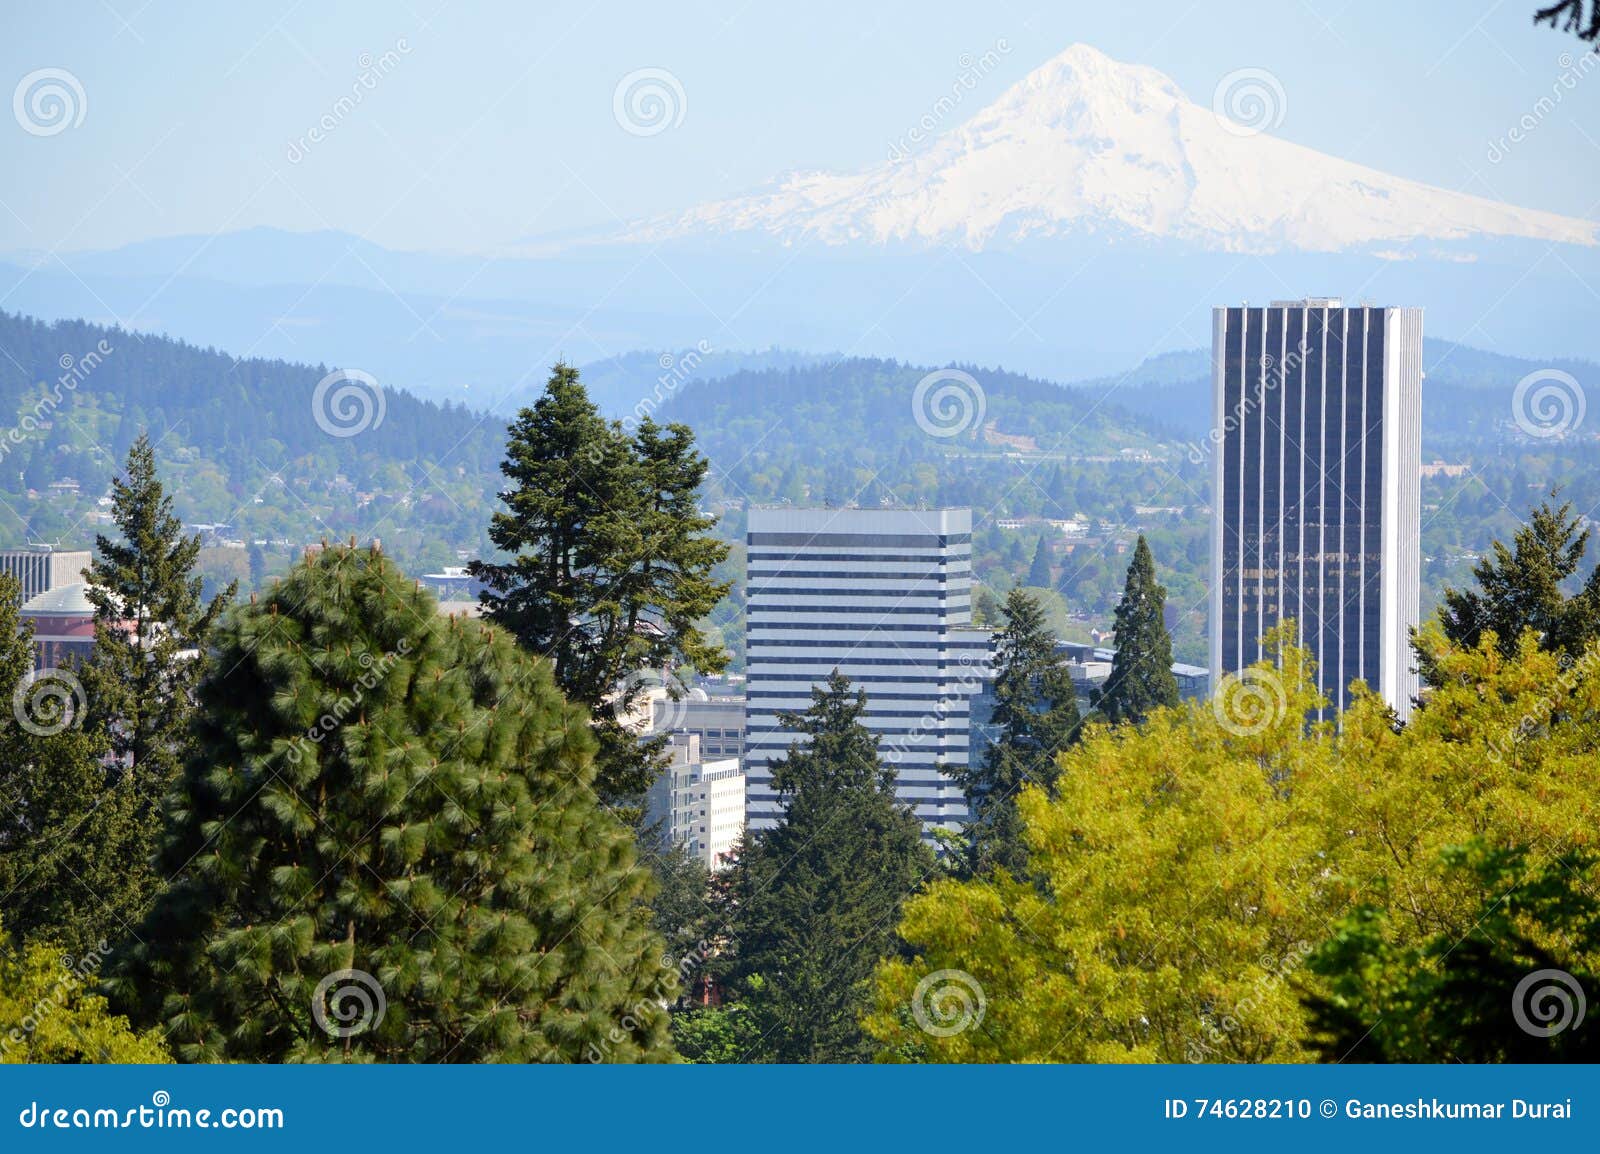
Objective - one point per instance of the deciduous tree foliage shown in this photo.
(50, 1012)
(717, 1035)
(384, 790)
(1186, 868)
(1458, 998)
(610, 561)
(817, 897)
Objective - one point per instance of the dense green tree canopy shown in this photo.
(387, 847)
(50, 1010)
(1532, 947)
(242, 440)
(73, 838)
(1185, 869)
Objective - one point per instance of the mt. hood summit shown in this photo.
(1087, 145)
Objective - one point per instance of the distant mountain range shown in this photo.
(1088, 219)
(1467, 392)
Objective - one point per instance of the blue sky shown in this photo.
(495, 121)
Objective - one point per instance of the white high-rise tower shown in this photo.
(883, 596)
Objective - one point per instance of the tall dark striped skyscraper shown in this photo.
(1316, 476)
(885, 597)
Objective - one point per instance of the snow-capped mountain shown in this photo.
(1086, 145)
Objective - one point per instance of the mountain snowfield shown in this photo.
(1087, 145)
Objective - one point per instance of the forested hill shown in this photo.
(1120, 456)
(820, 432)
(245, 442)
(230, 410)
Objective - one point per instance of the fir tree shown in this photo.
(386, 847)
(72, 847)
(610, 561)
(150, 633)
(1521, 588)
(1039, 571)
(816, 897)
(258, 566)
(1035, 718)
(1141, 673)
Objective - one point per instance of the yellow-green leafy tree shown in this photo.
(1504, 754)
(49, 1011)
(1186, 870)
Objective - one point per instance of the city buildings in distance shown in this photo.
(54, 598)
(63, 625)
(716, 721)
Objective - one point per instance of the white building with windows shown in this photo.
(883, 596)
(698, 803)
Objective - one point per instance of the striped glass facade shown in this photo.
(884, 596)
(41, 568)
(1317, 448)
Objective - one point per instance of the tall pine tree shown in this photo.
(387, 848)
(816, 898)
(1035, 718)
(1141, 672)
(610, 561)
